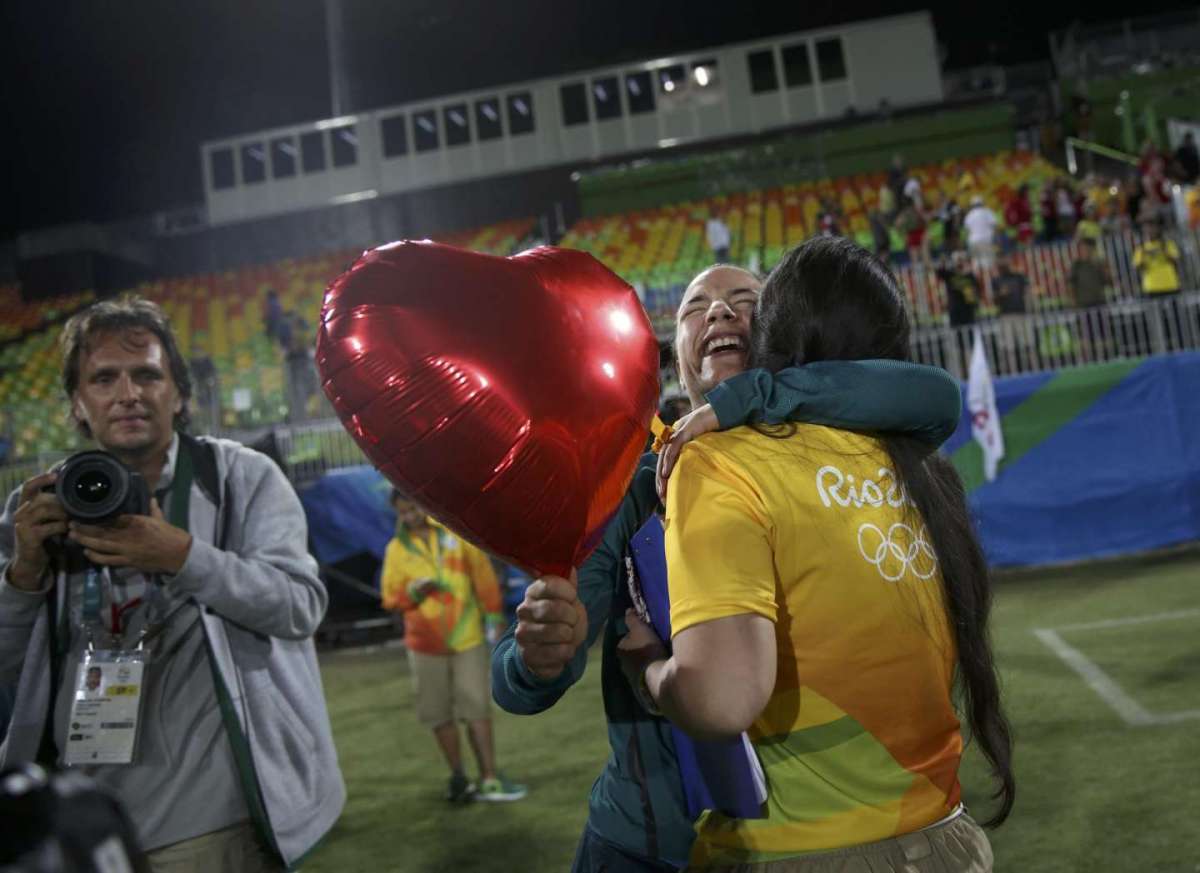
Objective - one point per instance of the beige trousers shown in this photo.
(235, 849)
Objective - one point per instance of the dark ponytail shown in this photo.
(828, 299)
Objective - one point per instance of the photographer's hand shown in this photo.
(39, 516)
(146, 542)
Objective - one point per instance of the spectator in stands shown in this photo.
(638, 819)
(1157, 262)
(1133, 197)
(234, 766)
(1010, 290)
(272, 313)
(208, 394)
(981, 232)
(450, 598)
(781, 629)
(1089, 281)
(1047, 205)
(962, 289)
(1064, 207)
(301, 369)
(912, 191)
(717, 233)
(1088, 227)
(1156, 205)
(829, 222)
(1187, 160)
(887, 203)
(911, 223)
(950, 214)
(1019, 217)
(284, 332)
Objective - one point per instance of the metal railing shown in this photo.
(1047, 266)
(1017, 344)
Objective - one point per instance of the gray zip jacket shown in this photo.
(259, 599)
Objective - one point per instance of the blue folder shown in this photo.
(725, 775)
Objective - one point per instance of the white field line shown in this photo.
(1130, 711)
(1134, 619)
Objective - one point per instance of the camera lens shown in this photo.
(93, 487)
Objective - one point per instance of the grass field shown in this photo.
(1095, 793)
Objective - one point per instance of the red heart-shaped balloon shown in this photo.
(511, 397)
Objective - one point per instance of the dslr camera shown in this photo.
(94, 487)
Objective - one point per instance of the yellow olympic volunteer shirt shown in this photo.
(450, 619)
(1156, 261)
(859, 741)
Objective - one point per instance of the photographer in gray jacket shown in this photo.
(168, 654)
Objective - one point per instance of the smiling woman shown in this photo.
(712, 337)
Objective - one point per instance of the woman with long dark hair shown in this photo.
(829, 595)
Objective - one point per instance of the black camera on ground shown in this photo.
(94, 487)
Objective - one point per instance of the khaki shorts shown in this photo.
(453, 687)
(957, 845)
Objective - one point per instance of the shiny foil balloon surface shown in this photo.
(511, 397)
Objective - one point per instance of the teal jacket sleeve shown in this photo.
(517, 690)
(878, 395)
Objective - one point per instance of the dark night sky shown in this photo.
(107, 101)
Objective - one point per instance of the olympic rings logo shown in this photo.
(896, 552)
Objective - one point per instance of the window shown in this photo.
(520, 113)
(393, 130)
(458, 128)
(283, 158)
(640, 93)
(705, 72)
(425, 132)
(254, 163)
(796, 71)
(672, 79)
(763, 77)
(220, 163)
(345, 146)
(574, 104)
(487, 119)
(831, 63)
(606, 98)
(312, 151)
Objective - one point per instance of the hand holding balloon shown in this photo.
(552, 624)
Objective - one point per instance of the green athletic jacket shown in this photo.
(637, 801)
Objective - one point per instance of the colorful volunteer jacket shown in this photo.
(1157, 261)
(452, 618)
(637, 802)
(809, 528)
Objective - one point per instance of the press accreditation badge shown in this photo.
(106, 709)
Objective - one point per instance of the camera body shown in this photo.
(94, 487)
